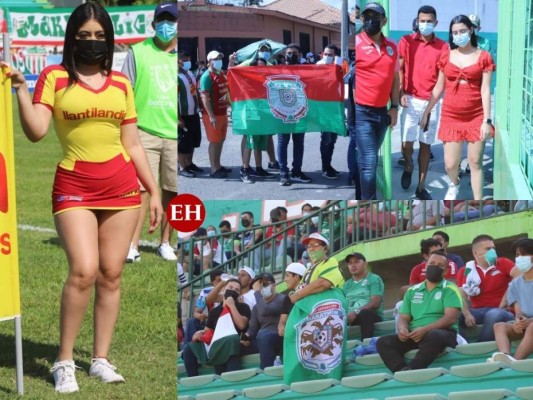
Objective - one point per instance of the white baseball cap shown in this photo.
(316, 236)
(249, 271)
(214, 54)
(296, 268)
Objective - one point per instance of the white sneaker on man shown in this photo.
(452, 192)
(65, 380)
(102, 369)
(166, 252)
(133, 255)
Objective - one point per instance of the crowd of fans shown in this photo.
(444, 298)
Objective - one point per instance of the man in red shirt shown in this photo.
(377, 81)
(419, 53)
(418, 273)
(484, 283)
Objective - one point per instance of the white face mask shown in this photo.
(266, 291)
(217, 64)
(306, 213)
(315, 220)
(523, 263)
(211, 233)
(328, 59)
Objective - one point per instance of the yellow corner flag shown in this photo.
(9, 271)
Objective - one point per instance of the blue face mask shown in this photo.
(166, 30)
(462, 39)
(265, 55)
(186, 65)
(217, 65)
(358, 25)
(490, 256)
(426, 28)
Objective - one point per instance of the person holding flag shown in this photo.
(219, 343)
(319, 304)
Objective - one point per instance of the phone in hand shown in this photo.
(426, 127)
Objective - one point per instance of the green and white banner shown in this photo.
(33, 27)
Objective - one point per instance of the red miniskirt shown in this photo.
(109, 185)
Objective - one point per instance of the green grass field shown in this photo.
(144, 344)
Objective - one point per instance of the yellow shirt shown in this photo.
(87, 121)
(328, 270)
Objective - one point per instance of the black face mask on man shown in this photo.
(231, 293)
(372, 26)
(434, 273)
(292, 59)
(90, 52)
(245, 222)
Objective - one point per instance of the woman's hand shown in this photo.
(156, 212)
(17, 77)
(485, 131)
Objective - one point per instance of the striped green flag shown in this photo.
(314, 345)
(287, 99)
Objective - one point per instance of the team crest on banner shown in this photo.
(286, 97)
(320, 337)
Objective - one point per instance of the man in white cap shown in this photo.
(293, 275)
(324, 272)
(482, 42)
(214, 93)
(245, 275)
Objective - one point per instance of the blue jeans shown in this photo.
(193, 325)
(370, 127)
(472, 214)
(487, 316)
(297, 151)
(270, 345)
(327, 145)
(353, 167)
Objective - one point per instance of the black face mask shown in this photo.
(231, 293)
(90, 52)
(372, 26)
(274, 220)
(293, 59)
(434, 273)
(245, 222)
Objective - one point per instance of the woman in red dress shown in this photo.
(465, 75)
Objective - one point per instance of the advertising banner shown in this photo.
(9, 269)
(32, 27)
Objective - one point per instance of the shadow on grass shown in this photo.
(37, 358)
(53, 241)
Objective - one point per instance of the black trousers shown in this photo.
(391, 349)
(366, 319)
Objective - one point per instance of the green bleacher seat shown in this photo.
(490, 394)
(385, 327)
(412, 353)
(309, 387)
(274, 371)
(240, 375)
(388, 314)
(477, 348)
(181, 369)
(262, 392)
(354, 332)
(364, 381)
(369, 359)
(222, 395)
(179, 354)
(350, 344)
(200, 380)
(475, 370)
(187, 397)
(250, 360)
(419, 375)
(523, 365)
(430, 396)
(525, 393)
(472, 333)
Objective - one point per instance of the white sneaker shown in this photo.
(133, 255)
(166, 252)
(502, 357)
(63, 372)
(452, 192)
(101, 368)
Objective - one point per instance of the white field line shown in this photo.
(25, 227)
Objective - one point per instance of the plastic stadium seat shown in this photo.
(430, 396)
(350, 344)
(385, 326)
(187, 397)
(251, 359)
(262, 392)
(472, 349)
(222, 395)
(490, 394)
(370, 359)
(200, 380)
(354, 332)
(308, 387)
(525, 393)
(388, 314)
(364, 381)
(523, 365)
(240, 375)
(475, 370)
(181, 369)
(274, 371)
(419, 375)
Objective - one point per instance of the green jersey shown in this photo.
(359, 293)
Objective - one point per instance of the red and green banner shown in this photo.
(287, 99)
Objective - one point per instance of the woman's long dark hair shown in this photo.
(462, 19)
(80, 16)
